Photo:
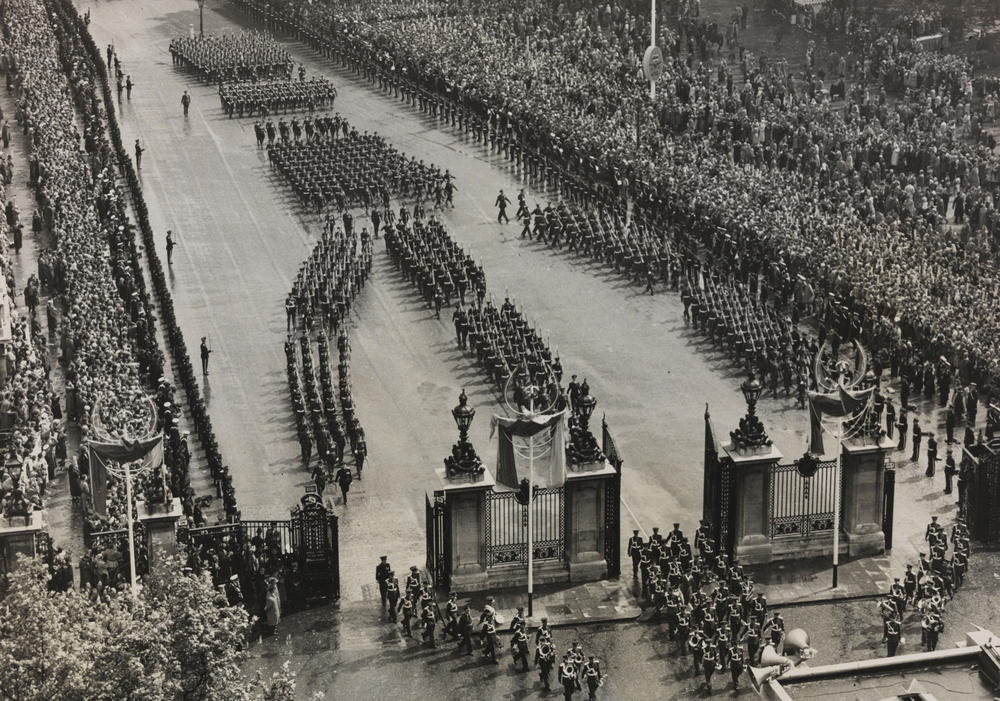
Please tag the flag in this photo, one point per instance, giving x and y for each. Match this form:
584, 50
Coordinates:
548, 435
839, 404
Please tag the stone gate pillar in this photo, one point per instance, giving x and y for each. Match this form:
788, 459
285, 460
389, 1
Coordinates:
465, 498
586, 521
160, 521
750, 493
863, 466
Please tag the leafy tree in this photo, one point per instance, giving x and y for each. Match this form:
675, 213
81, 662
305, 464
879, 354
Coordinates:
178, 641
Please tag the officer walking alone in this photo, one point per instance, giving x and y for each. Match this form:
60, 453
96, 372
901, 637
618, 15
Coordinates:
205, 352
138, 154
185, 102
170, 247
501, 204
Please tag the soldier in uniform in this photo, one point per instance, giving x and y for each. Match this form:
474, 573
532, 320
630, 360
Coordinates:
451, 616
519, 647
736, 662
568, 678
392, 594
429, 619
893, 634
949, 471
545, 658
592, 675
635, 544
382, 571
406, 609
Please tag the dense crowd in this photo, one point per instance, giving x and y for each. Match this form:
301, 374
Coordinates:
888, 204
107, 341
262, 98
229, 57
113, 366
30, 413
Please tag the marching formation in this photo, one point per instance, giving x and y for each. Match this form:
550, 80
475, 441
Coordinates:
262, 98
413, 605
318, 305
928, 588
335, 165
230, 57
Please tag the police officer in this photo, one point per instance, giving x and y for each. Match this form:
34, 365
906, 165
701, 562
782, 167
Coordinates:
635, 544
465, 630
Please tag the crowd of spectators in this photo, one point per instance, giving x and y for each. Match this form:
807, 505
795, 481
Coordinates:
885, 199
112, 362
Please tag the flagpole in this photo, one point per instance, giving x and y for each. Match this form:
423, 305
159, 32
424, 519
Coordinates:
836, 501
131, 535
531, 520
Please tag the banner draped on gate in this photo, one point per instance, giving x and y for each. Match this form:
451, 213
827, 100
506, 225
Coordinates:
550, 464
838, 404
149, 451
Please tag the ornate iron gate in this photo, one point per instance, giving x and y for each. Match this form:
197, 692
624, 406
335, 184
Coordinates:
798, 505
311, 535
612, 504
888, 501
979, 490
507, 527
438, 540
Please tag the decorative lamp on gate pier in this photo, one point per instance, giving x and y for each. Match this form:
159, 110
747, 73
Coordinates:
751, 438
463, 460
583, 450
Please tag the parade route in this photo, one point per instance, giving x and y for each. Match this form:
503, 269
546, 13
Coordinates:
241, 239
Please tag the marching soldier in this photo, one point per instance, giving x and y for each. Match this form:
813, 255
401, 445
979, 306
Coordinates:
892, 631
545, 658
519, 647
568, 678
451, 616
429, 619
635, 544
592, 675
392, 594
406, 609
413, 584
736, 662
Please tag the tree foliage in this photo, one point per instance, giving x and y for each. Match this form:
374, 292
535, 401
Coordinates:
178, 641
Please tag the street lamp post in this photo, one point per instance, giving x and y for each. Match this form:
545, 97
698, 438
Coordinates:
201, 17
652, 42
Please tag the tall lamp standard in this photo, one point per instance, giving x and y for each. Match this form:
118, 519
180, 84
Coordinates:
463, 459
201, 17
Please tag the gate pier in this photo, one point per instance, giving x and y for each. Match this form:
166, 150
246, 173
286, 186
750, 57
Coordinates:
751, 478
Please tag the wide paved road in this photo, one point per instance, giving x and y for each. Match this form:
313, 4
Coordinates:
241, 239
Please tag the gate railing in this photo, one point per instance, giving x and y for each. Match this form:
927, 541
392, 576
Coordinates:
800, 506
507, 527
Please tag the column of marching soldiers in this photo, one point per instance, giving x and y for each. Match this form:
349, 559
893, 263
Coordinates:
317, 307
